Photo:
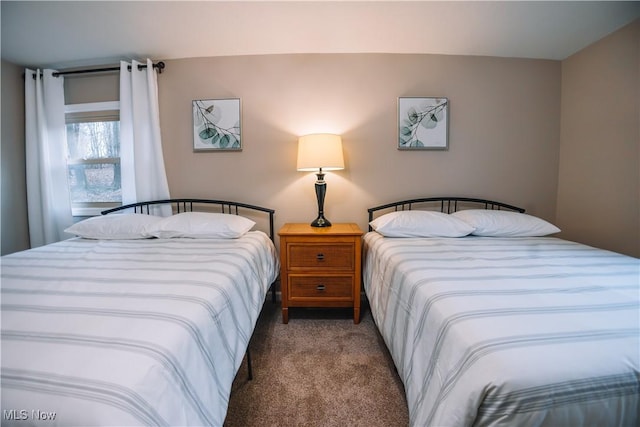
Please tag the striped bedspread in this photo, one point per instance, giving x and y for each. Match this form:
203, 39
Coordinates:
509, 331
129, 332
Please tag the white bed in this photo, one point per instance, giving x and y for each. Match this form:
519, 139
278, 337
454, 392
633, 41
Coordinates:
130, 332
508, 331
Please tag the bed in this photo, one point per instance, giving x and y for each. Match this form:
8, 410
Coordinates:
142, 320
510, 327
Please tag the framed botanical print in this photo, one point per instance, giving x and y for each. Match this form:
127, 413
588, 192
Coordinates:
423, 123
216, 125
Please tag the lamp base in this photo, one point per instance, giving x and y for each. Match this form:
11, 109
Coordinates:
321, 189
321, 221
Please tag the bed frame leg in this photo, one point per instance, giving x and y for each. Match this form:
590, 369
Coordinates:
250, 376
249, 367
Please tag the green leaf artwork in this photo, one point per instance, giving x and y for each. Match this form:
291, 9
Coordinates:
422, 123
216, 125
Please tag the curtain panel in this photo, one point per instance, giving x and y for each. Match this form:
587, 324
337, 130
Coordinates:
48, 200
143, 172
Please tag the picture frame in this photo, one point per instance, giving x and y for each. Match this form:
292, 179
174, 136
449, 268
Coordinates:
217, 125
423, 123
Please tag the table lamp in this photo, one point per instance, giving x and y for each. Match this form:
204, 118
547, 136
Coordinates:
317, 152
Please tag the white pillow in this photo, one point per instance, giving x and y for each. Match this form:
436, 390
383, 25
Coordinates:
203, 225
114, 226
495, 223
420, 224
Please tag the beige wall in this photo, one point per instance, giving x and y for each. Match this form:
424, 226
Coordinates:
83, 88
15, 229
599, 175
504, 130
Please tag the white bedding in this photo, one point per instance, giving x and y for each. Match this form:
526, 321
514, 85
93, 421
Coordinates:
508, 331
129, 332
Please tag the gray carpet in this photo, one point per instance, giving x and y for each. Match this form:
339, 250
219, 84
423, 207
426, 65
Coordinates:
318, 370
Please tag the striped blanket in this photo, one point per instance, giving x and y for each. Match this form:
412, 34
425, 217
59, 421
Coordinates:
509, 331
129, 332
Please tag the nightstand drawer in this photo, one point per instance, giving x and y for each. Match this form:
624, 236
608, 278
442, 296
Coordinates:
321, 255
304, 286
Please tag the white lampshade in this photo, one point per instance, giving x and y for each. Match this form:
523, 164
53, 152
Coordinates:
320, 150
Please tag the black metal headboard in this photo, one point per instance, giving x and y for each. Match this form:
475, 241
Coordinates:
187, 205
443, 204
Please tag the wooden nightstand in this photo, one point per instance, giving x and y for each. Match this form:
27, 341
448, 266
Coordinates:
320, 267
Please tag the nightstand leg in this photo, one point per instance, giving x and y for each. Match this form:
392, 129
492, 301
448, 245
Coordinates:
356, 315
285, 315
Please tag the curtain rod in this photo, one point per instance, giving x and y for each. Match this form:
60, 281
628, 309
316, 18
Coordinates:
160, 66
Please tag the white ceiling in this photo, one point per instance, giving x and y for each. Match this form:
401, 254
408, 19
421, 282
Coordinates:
69, 34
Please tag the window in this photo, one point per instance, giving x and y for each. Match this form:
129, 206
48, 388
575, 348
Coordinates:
93, 157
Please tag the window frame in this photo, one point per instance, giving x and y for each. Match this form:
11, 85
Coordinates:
91, 208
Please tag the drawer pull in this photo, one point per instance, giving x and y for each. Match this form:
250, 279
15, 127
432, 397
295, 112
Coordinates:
320, 257
320, 288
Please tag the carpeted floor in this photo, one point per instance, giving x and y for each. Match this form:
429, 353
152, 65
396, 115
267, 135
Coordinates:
320, 369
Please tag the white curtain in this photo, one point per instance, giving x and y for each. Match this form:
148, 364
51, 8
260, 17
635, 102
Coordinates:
142, 163
48, 201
